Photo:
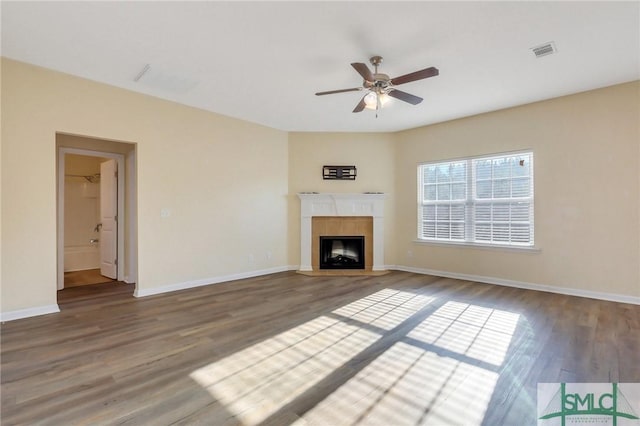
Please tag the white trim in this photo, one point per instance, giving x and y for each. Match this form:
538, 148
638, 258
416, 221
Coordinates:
612, 297
478, 157
504, 247
78, 270
29, 312
208, 281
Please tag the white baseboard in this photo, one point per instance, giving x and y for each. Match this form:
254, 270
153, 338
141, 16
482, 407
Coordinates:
207, 281
50, 309
81, 269
29, 312
621, 298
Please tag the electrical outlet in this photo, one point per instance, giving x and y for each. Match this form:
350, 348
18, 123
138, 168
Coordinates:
250, 258
409, 253
269, 255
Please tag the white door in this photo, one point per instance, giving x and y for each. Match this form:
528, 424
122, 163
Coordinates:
108, 218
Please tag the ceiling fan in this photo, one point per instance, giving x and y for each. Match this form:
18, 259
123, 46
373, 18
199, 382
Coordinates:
379, 86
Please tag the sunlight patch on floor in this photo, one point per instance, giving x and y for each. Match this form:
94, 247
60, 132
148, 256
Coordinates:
478, 332
385, 309
429, 374
254, 383
407, 386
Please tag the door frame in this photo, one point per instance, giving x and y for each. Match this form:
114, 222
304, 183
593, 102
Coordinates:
120, 158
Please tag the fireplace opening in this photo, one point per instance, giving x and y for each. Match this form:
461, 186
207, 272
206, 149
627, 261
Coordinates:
342, 252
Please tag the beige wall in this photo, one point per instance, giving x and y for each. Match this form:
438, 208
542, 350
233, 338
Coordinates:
231, 185
223, 180
1, 174
372, 154
586, 158
75, 164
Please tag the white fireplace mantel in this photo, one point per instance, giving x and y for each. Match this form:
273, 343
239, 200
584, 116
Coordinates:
342, 204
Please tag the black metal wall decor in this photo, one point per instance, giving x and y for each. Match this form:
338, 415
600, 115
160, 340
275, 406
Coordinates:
339, 172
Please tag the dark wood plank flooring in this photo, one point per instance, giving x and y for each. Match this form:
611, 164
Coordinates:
286, 348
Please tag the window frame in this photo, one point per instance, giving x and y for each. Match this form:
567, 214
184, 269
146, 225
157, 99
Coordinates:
472, 201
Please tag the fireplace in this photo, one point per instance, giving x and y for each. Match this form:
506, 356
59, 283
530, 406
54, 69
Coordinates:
342, 252
342, 215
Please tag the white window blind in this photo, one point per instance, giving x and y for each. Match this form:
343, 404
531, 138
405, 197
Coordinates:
486, 200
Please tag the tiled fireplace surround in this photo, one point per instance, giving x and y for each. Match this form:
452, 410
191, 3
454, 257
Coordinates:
326, 214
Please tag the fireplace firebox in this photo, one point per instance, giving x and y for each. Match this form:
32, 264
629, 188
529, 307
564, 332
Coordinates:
342, 252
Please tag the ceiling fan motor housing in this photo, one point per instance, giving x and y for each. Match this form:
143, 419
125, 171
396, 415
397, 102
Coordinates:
380, 82
375, 60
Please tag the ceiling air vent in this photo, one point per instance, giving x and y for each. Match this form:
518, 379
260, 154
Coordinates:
544, 49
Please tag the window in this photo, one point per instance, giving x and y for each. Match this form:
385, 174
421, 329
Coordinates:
480, 200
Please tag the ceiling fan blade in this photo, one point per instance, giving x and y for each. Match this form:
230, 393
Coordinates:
360, 105
404, 96
363, 70
418, 75
331, 92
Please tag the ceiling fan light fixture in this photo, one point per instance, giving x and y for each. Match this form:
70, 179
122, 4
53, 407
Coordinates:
371, 100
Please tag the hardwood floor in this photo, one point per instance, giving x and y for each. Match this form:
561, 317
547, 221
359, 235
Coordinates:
291, 349
85, 277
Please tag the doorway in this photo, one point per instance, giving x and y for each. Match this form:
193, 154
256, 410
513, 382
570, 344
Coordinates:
96, 211
87, 189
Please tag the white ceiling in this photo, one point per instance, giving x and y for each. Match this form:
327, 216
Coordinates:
263, 61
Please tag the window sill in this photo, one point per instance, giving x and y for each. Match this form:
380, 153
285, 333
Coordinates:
529, 249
